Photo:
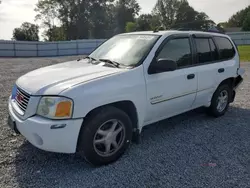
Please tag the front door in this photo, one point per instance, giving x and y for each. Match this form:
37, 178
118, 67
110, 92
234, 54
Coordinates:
171, 93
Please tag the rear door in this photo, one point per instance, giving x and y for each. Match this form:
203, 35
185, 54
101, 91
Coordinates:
207, 64
228, 57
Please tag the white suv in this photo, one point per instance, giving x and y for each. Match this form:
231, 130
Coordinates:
98, 104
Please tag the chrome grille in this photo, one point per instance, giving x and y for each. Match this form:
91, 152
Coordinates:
22, 99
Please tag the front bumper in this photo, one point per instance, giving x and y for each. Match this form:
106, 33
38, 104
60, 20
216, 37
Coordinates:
59, 136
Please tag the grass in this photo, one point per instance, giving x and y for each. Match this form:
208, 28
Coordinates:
244, 53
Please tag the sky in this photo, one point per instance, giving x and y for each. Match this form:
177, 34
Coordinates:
14, 12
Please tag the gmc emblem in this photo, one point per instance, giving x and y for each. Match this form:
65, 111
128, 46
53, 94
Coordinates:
19, 97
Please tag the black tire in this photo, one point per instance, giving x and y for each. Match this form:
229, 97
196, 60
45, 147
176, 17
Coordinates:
213, 110
86, 146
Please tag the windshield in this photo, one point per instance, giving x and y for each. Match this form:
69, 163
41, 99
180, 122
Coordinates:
127, 50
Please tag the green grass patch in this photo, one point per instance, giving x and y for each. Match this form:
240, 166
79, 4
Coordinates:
244, 53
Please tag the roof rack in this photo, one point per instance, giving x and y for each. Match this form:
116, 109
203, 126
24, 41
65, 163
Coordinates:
188, 26
212, 30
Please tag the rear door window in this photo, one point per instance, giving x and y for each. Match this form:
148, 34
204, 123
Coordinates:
203, 50
226, 49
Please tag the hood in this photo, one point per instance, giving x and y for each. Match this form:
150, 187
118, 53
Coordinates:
54, 79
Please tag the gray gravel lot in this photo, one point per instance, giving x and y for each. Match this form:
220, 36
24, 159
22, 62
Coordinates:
190, 150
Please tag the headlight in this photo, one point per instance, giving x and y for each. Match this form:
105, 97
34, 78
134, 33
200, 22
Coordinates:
55, 107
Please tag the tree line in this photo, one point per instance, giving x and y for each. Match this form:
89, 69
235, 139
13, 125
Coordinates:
99, 19
240, 19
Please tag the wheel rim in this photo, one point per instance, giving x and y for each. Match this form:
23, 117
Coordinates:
222, 101
109, 138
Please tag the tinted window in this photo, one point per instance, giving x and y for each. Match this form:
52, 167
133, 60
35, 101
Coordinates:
203, 50
226, 48
214, 52
177, 50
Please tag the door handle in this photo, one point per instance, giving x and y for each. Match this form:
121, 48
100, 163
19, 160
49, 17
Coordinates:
191, 76
221, 70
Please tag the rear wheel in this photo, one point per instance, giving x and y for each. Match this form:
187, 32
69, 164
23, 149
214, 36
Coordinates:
105, 136
220, 101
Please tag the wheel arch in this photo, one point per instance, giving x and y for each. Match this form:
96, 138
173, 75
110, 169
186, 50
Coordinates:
125, 105
231, 82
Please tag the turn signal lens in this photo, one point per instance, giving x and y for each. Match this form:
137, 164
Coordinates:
64, 109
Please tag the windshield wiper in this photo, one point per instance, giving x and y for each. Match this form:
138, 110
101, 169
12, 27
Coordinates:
91, 58
114, 63
88, 57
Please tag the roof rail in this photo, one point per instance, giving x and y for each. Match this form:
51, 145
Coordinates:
212, 30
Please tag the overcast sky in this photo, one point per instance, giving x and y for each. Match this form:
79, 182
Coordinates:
14, 12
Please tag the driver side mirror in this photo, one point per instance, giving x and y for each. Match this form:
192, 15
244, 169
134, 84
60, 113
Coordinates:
162, 65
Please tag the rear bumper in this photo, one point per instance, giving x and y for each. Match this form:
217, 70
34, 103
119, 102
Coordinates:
240, 71
59, 136
239, 79
237, 82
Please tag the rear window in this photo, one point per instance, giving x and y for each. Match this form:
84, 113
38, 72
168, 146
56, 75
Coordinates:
226, 48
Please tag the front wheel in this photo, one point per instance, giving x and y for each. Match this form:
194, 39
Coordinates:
220, 101
105, 136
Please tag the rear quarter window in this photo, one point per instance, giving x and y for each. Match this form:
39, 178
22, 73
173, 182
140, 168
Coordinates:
225, 47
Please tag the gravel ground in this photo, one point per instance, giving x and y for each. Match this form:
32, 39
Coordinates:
190, 150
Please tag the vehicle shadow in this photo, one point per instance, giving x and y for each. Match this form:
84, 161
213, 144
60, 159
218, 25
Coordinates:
166, 148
